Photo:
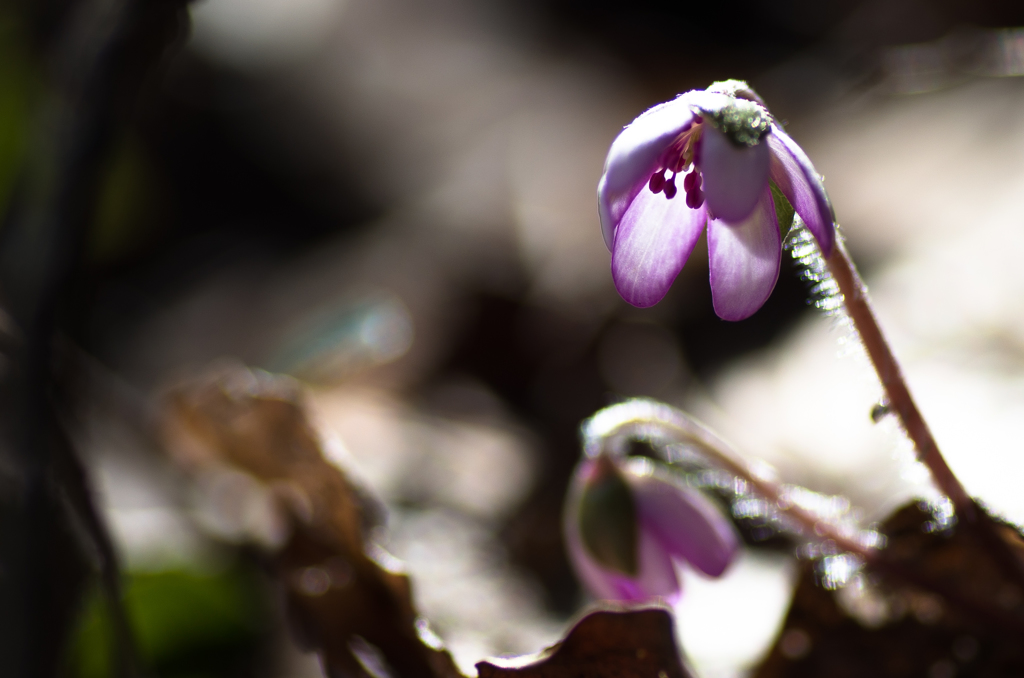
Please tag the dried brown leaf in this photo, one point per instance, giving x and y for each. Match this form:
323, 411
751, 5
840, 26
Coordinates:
342, 600
636, 643
964, 623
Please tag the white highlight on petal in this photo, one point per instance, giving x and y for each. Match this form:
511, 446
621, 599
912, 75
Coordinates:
745, 258
653, 241
734, 176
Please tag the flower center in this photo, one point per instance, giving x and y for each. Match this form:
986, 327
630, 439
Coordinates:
682, 157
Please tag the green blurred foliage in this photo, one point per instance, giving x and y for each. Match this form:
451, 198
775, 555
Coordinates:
129, 206
186, 625
19, 88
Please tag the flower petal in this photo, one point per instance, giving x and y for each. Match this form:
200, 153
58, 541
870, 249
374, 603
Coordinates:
601, 583
634, 156
656, 576
793, 173
734, 176
745, 258
653, 241
686, 523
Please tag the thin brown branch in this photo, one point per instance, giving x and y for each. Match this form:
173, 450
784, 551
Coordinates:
106, 53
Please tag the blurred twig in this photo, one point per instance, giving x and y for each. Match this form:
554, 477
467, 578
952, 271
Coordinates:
100, 65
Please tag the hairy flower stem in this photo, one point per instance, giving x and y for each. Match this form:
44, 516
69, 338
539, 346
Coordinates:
858, 307
662, 426
899, 400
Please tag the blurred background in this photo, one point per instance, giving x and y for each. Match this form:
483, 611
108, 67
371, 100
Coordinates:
393, 201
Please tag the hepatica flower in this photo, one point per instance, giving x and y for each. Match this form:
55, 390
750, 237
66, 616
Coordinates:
628, 524
712, 157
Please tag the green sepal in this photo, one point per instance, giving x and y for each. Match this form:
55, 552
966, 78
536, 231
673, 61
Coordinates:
784, 211
607, 519
742, 121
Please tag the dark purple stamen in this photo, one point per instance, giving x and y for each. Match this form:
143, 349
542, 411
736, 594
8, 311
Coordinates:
694, 198
657, 182
670, 188
692, 180
691, 184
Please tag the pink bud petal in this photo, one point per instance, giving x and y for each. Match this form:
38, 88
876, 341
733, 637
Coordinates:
686, 523
656, 577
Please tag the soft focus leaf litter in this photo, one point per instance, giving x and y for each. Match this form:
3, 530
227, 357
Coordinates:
560, 401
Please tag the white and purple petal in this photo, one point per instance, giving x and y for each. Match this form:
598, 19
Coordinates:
734, 175
634, 156
793, 173
656, 576
654, 239
745, 258
685, 522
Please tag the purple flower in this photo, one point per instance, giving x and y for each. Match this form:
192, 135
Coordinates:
730, 152
628, 524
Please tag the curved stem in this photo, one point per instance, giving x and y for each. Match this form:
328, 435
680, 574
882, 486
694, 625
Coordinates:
858, 307
663, 425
